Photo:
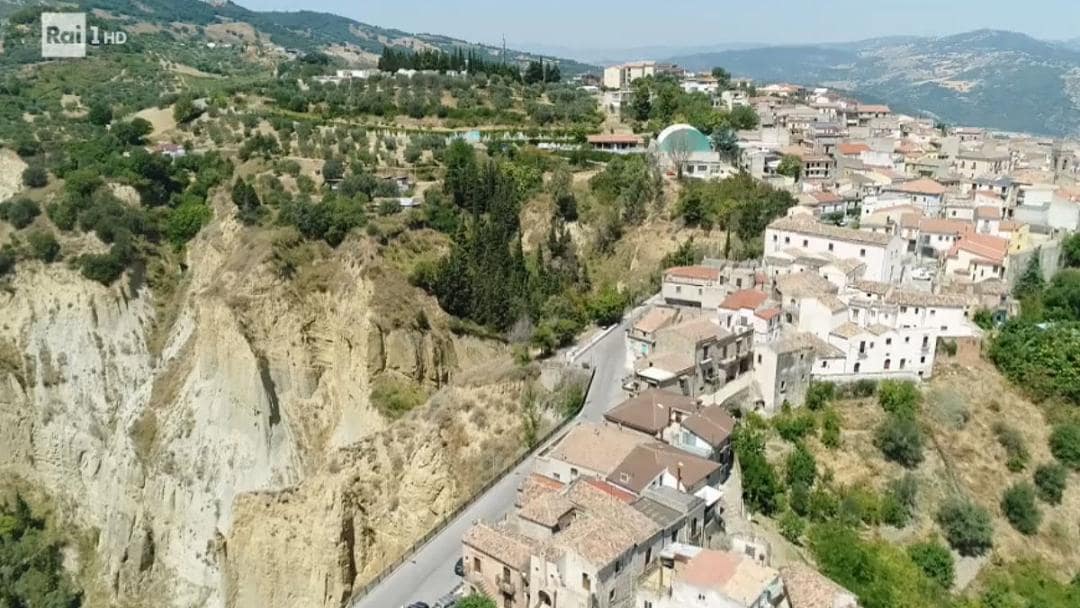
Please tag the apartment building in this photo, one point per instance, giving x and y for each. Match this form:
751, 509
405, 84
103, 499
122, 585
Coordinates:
882, 253
687, 576
619, 77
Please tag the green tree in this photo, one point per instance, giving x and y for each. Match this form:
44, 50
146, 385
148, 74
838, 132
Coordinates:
1018, 505
900, 398
900, 441
800, 467
186, 220
792, 527
476, 600
100, 113
7, 261
723, 78
185, 109
132, 132
43, 245
20, 212
819, 395
966, 526
898, 502
790, 166
1050, 481
726, 143
607, 306
761, 486
1065, 444
743, 118
333, 170
935, 560
247, 202
35, 176
1070, 251
31, 564
1031, 282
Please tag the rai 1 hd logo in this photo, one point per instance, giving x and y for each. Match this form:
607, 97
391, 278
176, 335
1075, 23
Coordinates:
66, 35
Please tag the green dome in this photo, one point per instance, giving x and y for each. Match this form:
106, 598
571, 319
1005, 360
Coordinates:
684, 137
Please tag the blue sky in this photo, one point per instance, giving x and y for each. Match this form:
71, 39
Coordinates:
586, 24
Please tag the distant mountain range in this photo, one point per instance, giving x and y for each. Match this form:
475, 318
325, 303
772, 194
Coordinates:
303, 30
989, 78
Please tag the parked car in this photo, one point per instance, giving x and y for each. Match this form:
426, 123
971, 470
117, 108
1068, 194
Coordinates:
418, 605
459, 567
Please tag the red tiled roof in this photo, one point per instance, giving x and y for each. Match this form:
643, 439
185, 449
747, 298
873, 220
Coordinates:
613, 138
943, 226
851, 149
878, 108
701, 273
990, 248
987, 212
612, 490
744, 298
768, 314
923, 185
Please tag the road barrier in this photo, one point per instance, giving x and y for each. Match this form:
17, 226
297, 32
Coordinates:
450, 517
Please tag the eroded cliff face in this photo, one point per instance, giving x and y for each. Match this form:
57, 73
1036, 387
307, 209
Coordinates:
221, 443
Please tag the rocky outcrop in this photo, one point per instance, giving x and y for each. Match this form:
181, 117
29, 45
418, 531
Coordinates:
218, 440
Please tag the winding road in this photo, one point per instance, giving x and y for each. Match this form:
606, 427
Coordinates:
429, 575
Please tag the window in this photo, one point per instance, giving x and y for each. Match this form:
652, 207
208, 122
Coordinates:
738, 282
903, 309
624, 477
476, 565
618, 566
907, 339
862, 346
824, 364
573, 472
830, 246
678, 289
586, 584
775, 238
862, 253
759, 359
902, 363
805, 243
933, 311
856, 368
783, 386
925, 341
922, 359
699, 291
787, 240
888, 363
888, 341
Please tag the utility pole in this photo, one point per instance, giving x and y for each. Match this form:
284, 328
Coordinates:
504, 49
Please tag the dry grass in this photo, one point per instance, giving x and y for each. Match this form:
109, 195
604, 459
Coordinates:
965, 458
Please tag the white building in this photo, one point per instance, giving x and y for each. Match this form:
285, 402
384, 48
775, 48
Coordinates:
882, 253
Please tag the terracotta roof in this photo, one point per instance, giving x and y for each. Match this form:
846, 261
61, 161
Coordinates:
596, 447
744, 298
768, 313
923, 185
879, 329
911, 297
697, 329
990, 248
712, 424
802, 284
700, 273
847, 330
612, 490
646, 462
650, 411
795, 341
612, 138
675, 363
536, 485
851, 149
655, 318
833, 303
872, 287
987, 212
808, 588
814, 228
501, 543
605, 529
1009, 226
733, 574
876, 108
936, 225
547, 509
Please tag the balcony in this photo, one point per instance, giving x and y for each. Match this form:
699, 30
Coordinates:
506, 585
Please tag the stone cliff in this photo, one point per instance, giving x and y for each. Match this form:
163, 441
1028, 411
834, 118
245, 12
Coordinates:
218, 436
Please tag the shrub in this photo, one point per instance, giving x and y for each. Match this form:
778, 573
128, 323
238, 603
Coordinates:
1065, 444
898, 503
794, 426
860, 504
935, 560
819, 395
43, 245
966, 526
900, 441
395, 397
900, 398
1016, 451
7, 261
35, 176
103, 268
830, 429
1018, 505
1050, 481
792, 526
19, 212
800, 467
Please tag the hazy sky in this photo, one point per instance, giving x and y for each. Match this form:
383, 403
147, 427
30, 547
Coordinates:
587, 24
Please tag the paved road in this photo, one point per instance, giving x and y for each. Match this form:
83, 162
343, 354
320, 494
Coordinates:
430, 573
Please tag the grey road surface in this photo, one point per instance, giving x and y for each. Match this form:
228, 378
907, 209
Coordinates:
430, 572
